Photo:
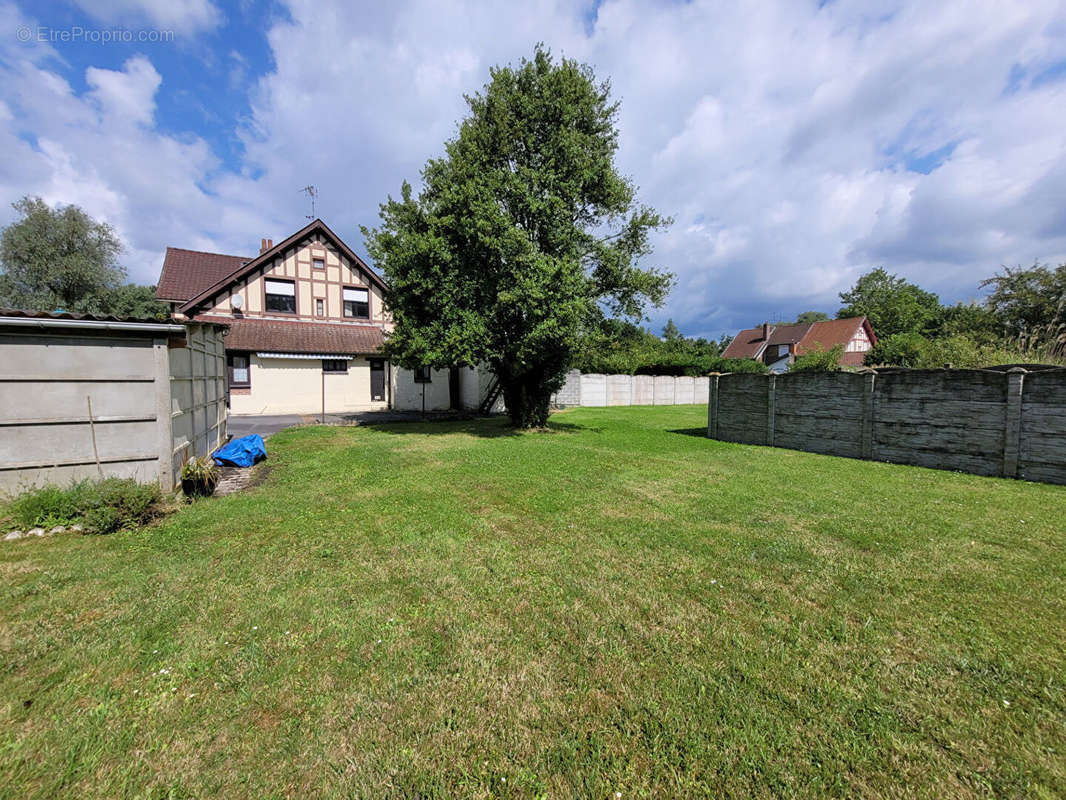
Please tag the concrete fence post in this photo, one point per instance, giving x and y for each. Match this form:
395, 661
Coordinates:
1013, 422
868, 415
771, 390
163, 421
712, 408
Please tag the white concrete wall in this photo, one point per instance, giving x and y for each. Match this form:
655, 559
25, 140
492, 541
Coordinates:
643, 390
631, 390
619, 390
408, 395
664, 390
593, 390
295, 386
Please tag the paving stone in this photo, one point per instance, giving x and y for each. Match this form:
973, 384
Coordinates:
13, 535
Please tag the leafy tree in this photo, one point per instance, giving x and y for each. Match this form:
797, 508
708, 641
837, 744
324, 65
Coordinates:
898, 350
56, 258
892, 304
130, 300
808, 317
819, 360
1031, 305
670, 332
978, 322
61, 258
523, 231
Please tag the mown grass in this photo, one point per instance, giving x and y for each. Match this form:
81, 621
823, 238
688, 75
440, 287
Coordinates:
616, 606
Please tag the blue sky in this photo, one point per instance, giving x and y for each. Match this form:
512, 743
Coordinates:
795, 144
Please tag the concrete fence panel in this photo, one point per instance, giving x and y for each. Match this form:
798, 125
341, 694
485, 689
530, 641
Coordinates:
820, 412
684, 390
1042, 428
664, 390
593, 390
619, 390
988, 422
643, 390
699, 389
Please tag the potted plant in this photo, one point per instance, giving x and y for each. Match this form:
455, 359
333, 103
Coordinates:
199, 476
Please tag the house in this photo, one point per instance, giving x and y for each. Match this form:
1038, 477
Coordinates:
307, 322
777, 346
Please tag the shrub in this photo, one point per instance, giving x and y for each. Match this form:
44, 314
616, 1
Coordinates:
102, 519
103, 505
819, 360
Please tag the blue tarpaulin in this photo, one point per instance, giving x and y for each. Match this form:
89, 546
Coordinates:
243, 452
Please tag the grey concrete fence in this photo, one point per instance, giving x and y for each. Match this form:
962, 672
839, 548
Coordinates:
82, 398
630, 390
989, 422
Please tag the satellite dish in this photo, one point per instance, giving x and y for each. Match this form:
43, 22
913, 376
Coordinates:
236, 301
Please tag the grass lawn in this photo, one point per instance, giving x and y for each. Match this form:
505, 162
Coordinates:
617, 606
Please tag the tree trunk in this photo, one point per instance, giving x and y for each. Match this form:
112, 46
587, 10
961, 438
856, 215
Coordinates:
528, 402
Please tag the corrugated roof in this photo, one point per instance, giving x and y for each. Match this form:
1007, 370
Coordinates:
280, 336
186, 273
70, 315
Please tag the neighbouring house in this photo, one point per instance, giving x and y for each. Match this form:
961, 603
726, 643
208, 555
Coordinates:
777, 346
307, 323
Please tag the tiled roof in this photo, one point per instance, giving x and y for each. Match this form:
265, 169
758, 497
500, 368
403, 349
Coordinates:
829, 334
186, 273
745, 344
788, 334
279, 336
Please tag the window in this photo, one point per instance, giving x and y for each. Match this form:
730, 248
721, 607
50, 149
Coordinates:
782, 350
280, 296
320, 307
339, 365
318, 263
424, 375
356, 303
239, 374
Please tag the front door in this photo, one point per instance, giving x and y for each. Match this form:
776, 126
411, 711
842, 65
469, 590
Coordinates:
377, 379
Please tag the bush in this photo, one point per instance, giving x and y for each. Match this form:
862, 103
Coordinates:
101, 506
819, 360
103, 519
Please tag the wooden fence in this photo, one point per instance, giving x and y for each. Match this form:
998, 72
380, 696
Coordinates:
1009, 422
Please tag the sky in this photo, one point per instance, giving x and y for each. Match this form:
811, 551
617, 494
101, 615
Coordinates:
795, 144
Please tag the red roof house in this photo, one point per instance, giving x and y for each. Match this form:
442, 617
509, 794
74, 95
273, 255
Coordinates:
778, 345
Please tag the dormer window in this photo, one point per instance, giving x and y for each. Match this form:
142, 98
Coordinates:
280, 296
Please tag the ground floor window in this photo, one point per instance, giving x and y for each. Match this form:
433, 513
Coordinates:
423, 375
240, 376
335, 365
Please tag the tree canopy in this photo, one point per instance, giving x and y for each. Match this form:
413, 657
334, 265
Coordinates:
892, 304
62, 259
523, 235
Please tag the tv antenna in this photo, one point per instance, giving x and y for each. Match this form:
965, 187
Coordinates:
311, 192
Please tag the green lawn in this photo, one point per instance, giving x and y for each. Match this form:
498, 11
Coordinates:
616, 606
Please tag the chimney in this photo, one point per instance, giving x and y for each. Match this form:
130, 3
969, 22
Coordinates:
264, 245
765, 331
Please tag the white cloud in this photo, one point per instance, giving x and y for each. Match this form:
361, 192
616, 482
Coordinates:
180, 16
785, 139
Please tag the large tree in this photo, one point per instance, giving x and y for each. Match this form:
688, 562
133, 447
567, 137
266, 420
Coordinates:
892, 304
523, 234
57, 257
1031, 305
